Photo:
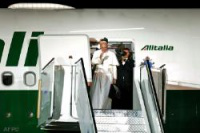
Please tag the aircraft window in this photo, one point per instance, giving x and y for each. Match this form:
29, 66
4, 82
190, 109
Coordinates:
29, 78
7, 78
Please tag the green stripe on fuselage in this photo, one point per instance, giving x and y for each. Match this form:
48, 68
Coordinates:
15, 49
36, 34
22, 107
32, 54
2, 43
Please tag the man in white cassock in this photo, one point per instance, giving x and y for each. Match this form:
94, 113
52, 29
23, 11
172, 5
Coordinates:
105, 74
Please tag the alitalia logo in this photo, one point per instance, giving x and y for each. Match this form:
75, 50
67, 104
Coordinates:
157, 48
16, 47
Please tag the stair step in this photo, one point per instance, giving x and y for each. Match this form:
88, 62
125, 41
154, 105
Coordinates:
117, 113
120, 128
120, 120
61, 126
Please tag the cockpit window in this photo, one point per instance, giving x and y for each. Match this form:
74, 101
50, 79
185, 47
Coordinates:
30, 78
7, 78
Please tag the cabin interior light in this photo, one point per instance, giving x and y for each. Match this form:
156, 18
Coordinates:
39, 6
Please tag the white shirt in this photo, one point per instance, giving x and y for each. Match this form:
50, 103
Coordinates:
124, 61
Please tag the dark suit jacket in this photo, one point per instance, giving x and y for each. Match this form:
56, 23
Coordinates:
125, 74
125, 84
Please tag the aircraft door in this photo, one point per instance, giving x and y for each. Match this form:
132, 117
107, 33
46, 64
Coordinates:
66, 49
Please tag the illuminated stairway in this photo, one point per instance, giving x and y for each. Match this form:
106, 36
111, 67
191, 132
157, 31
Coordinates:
120, 121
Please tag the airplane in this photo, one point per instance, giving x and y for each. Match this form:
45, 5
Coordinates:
167, 36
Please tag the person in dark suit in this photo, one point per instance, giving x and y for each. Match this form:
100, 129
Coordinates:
125, 81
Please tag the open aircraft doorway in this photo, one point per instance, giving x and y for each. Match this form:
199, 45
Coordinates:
121, 117
121, 67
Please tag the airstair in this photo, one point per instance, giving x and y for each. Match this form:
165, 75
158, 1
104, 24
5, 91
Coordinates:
145, 119
120, 121
78, 114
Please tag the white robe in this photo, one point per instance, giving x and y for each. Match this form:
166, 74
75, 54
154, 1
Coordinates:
103, 76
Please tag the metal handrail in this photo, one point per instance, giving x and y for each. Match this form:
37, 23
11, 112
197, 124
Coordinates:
156, 102
48, 63
71, 99
90, 102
